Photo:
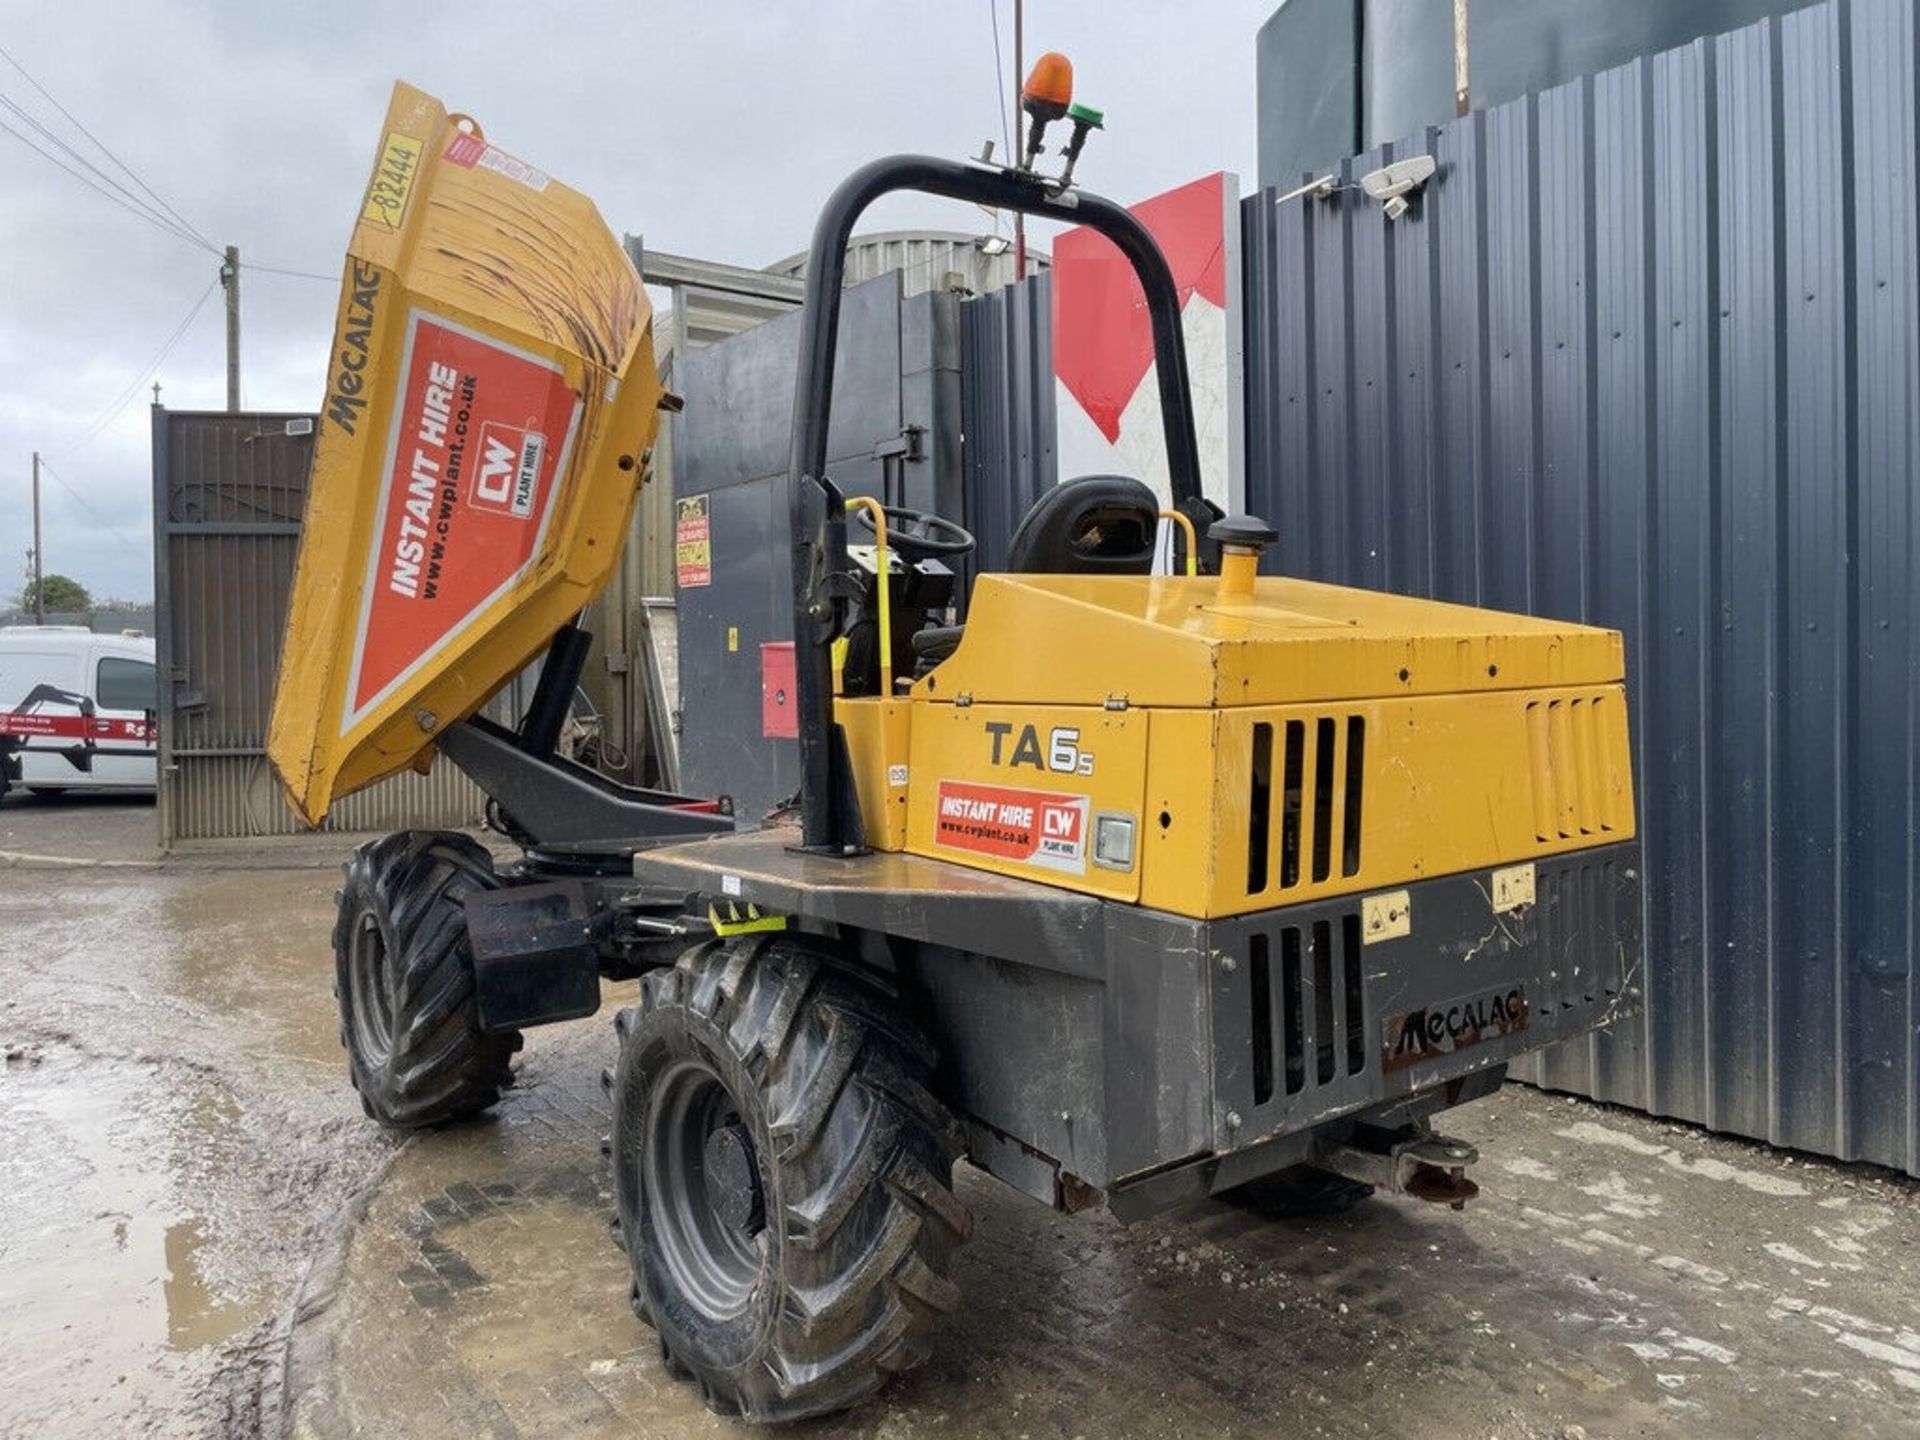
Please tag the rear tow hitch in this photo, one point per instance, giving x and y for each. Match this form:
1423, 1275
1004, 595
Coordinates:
1406, 1162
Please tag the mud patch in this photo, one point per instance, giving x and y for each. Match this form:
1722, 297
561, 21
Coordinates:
166, 1159
482, 1296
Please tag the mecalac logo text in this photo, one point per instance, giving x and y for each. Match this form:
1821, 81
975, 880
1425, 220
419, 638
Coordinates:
1433, 1031
347, 397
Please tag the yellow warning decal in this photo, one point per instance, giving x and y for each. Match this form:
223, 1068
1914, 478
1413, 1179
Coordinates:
393, 177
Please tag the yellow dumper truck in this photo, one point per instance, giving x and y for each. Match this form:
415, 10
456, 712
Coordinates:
1131, 889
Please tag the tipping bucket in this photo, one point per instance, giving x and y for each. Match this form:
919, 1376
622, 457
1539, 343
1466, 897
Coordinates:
491, 394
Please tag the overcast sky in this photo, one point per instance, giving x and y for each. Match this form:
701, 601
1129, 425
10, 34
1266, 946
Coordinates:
713, 128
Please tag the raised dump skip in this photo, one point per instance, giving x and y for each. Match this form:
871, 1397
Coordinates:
490, 396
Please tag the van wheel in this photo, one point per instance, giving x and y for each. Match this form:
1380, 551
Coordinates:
403, 972
783, 1177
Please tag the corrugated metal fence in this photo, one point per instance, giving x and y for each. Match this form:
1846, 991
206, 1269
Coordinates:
1007, 411
1647, 353
228, 493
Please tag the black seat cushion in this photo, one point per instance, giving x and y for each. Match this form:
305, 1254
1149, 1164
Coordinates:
1095, 525
934, 644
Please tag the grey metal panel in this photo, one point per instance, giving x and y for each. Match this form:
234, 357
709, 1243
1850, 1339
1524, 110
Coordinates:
1307, 60
720, 629
1329, 290
1650, 347
1681, 479
1744, 543
1370, 436
1809, 937
899, 364
739, 394
930, 396
909, 896
229, 490
1278, 370
1007, 411
1617, 281
1460, 284
1303, 1016
1339, 75
218, 797
1881, 888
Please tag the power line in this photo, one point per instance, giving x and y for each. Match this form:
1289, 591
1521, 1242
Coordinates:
99, 176
153, 209
125, 397
178, 218
1000, 79
98, 518
99, 189
164, 217
254, 269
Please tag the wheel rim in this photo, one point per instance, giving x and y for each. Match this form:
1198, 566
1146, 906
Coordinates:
703, 1179
371, 980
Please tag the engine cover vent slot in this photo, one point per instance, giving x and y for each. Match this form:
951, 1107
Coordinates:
1567, 746
1312, 807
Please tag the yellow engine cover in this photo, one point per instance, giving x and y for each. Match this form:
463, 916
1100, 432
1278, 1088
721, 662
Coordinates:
1142, 739
490, 396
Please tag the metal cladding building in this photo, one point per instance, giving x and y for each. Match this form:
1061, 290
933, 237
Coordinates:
1644, 352
1341, 76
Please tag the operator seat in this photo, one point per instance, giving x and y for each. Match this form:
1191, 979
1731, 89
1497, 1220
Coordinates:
1095, 525
1092, 525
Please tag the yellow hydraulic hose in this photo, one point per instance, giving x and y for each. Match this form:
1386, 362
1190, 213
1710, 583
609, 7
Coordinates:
1181, 519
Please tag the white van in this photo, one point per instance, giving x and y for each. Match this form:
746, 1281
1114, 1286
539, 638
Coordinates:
76, 710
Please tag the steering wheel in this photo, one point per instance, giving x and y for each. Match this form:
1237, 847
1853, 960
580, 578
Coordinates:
916, 534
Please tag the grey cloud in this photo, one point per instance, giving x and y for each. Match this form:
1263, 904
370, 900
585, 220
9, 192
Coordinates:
714, 128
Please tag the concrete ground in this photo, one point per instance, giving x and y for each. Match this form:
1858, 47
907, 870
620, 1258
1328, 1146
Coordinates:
113, 828
119, 830
200, 1234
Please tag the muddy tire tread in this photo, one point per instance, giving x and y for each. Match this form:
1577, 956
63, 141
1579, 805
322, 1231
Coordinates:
443, 1066
862, 1156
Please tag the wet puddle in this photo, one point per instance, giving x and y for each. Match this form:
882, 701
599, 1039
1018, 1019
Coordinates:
196, 1314
101, 1161
174, 1128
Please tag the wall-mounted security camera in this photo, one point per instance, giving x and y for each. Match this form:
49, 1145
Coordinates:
1394, 184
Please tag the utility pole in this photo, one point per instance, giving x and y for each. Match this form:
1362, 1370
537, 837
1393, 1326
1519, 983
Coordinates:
39, 585
1019, 132
230, 277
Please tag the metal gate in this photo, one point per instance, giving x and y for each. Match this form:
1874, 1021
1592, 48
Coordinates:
228, 490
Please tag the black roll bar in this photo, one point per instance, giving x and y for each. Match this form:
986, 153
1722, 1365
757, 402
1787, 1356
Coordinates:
830, 811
